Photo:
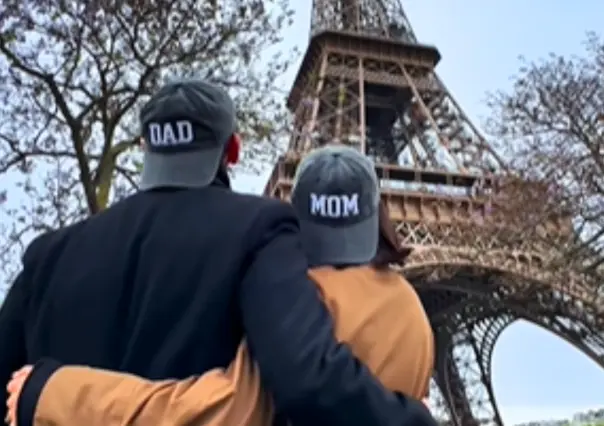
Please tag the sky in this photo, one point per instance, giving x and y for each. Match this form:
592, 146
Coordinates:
536, 375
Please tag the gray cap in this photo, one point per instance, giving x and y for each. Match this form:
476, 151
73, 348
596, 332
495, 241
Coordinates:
186, 126
336, 195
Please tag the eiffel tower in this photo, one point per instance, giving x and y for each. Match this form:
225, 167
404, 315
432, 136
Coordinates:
367, 81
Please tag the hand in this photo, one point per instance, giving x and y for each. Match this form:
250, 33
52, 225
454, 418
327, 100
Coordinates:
14, 390
426, 403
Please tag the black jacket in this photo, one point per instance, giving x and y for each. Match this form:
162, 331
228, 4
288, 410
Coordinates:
165, 284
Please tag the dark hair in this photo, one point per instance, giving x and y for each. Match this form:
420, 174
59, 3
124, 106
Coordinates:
389, 249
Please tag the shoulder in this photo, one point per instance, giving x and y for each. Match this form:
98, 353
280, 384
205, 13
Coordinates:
260, 201
265, 212
269, 226
272, 211
272, 218
48, 243
358, 281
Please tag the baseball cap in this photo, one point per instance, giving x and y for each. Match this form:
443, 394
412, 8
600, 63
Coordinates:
336, 195
186, 126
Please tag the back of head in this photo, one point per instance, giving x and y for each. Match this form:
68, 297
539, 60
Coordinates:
186, 127
336, 195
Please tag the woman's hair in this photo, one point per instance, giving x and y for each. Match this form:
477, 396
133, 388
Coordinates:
389, 249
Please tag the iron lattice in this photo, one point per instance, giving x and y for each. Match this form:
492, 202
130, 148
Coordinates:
367, 82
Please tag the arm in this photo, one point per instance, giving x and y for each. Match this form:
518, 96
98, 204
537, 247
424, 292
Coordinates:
64, 396
55, 397
314, 380
14, 313
12, 336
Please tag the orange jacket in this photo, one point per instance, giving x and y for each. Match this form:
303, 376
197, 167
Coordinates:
377, 313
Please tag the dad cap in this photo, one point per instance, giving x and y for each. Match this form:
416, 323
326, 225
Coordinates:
336, 195
186, 126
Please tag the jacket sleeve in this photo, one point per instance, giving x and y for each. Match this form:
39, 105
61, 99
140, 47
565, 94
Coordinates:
12, 335
13, 316
314, 380
57, 395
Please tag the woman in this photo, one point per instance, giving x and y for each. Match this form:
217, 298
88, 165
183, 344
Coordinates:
350, 244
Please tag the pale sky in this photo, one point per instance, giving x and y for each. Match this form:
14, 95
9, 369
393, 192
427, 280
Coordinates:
536, 375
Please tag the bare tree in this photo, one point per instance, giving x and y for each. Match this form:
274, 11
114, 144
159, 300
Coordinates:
73, 74
551, 125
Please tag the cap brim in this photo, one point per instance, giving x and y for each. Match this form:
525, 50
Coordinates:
194, 169
353, 244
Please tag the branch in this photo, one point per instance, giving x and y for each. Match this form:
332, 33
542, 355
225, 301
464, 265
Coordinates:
74, 126
107, 167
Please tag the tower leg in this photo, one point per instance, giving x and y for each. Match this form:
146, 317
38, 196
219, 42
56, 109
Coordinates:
463, 371
450, 383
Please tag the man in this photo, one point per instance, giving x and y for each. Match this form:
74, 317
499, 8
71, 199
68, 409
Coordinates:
166, 283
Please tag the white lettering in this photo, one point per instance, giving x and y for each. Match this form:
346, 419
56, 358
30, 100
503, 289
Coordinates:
351, 205
167, 134
185, 130
334, 206
317, 204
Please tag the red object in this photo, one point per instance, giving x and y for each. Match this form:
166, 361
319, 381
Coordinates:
233, 149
